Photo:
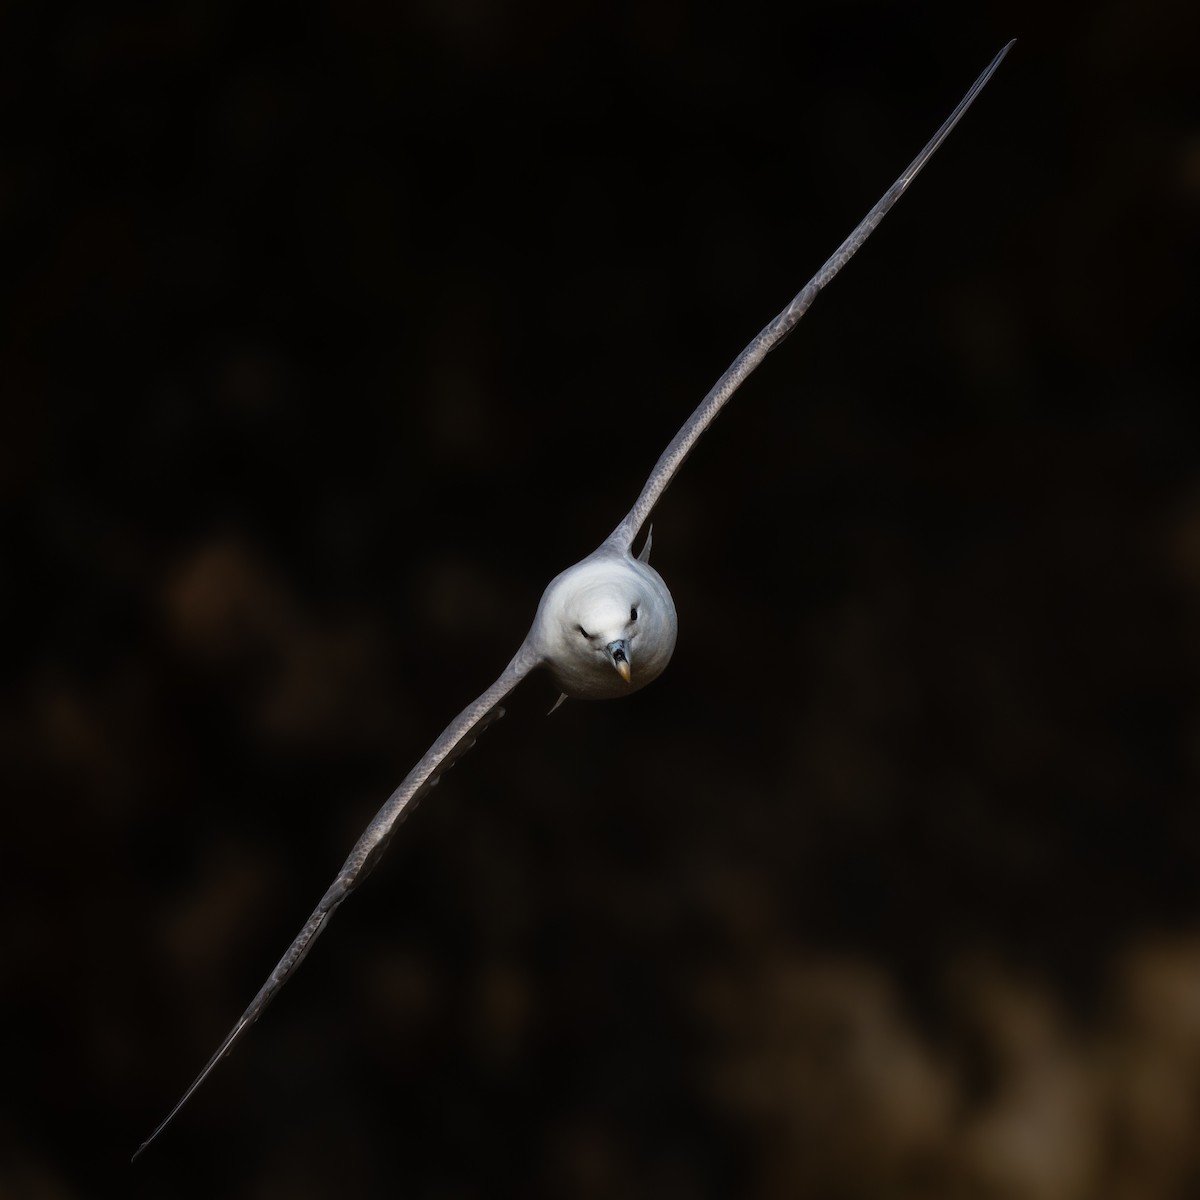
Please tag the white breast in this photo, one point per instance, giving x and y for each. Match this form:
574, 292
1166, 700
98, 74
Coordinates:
591, 605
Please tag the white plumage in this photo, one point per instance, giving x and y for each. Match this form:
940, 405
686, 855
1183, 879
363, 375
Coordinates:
606, 626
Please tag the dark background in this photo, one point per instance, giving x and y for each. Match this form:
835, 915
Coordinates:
329, 336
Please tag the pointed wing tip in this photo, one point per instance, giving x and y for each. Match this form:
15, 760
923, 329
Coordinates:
153, 1137
990, 69
157, 1130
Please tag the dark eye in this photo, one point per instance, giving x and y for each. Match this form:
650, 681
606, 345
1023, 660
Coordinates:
584, 632
633, 613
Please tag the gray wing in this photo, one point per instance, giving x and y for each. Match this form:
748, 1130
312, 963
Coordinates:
774, 333
456, 739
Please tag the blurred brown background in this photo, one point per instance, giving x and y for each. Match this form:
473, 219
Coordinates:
328, 337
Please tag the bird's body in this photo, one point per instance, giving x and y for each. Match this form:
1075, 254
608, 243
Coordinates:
604, 628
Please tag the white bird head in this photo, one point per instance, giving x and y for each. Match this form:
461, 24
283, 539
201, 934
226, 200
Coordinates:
606, 627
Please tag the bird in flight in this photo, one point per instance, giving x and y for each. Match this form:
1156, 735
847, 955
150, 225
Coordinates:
603, 628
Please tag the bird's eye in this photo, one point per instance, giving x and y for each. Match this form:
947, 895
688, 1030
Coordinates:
584, 632
633, 613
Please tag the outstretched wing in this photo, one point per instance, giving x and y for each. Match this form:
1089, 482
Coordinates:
774, 333
456, 739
